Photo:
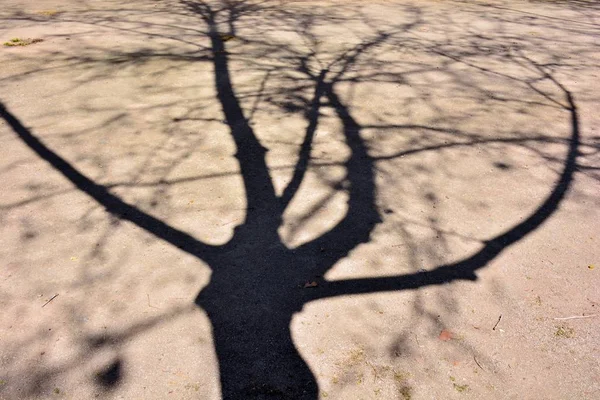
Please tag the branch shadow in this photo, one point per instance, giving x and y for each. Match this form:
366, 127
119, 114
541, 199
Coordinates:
256, 285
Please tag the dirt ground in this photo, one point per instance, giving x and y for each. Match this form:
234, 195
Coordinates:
300, 199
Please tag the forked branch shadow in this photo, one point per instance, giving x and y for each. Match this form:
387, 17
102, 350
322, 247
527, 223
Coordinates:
253, 293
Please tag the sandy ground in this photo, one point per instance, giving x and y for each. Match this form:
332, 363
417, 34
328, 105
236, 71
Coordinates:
441, 192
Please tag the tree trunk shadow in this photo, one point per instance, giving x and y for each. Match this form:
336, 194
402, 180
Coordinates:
256, 283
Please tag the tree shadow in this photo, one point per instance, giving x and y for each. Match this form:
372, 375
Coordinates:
257, 281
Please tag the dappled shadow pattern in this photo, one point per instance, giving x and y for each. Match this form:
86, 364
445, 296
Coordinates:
256, 283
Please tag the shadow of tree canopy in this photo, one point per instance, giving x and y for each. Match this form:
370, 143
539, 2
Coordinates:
256, 282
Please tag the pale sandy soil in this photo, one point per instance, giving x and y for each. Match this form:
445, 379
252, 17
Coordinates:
170, 181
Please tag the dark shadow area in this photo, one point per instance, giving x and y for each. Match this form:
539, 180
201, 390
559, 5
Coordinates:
256, 282
110, 376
